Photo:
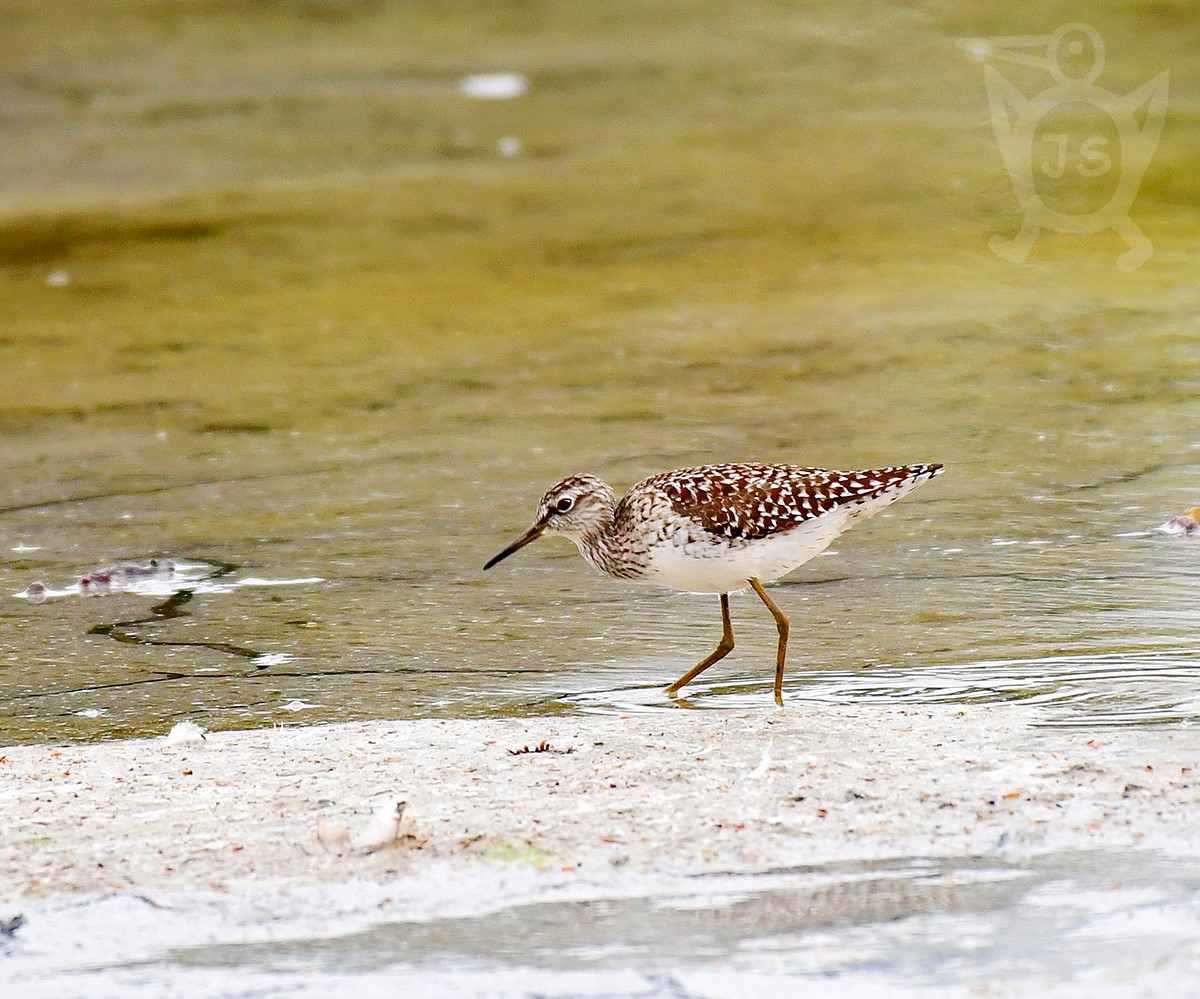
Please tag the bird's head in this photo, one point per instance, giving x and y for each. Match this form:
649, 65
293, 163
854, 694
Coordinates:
577, 507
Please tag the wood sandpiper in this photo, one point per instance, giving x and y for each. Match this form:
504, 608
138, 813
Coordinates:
716, 529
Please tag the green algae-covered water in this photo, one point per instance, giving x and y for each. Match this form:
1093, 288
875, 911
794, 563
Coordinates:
284, 300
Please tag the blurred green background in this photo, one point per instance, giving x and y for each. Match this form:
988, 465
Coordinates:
276, 292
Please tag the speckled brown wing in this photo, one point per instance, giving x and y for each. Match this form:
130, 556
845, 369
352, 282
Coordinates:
751, 501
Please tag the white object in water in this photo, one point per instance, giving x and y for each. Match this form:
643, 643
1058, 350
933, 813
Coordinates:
493, 86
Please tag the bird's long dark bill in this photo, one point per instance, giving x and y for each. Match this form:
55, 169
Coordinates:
532, 534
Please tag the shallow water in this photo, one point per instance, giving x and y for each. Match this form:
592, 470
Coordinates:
301, 312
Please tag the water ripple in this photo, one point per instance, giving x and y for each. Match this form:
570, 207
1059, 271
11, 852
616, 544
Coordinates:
1146, 687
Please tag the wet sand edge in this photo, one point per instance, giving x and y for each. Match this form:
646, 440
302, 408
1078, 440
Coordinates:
675, 791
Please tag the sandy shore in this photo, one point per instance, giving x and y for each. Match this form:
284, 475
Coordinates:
930, 852
675, 791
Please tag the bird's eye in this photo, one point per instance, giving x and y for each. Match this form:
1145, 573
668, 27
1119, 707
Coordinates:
564, 504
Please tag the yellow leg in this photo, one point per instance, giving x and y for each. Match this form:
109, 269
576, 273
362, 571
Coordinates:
781, 622
724, 646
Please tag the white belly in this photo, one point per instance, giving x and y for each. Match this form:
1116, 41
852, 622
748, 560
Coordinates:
707, 567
